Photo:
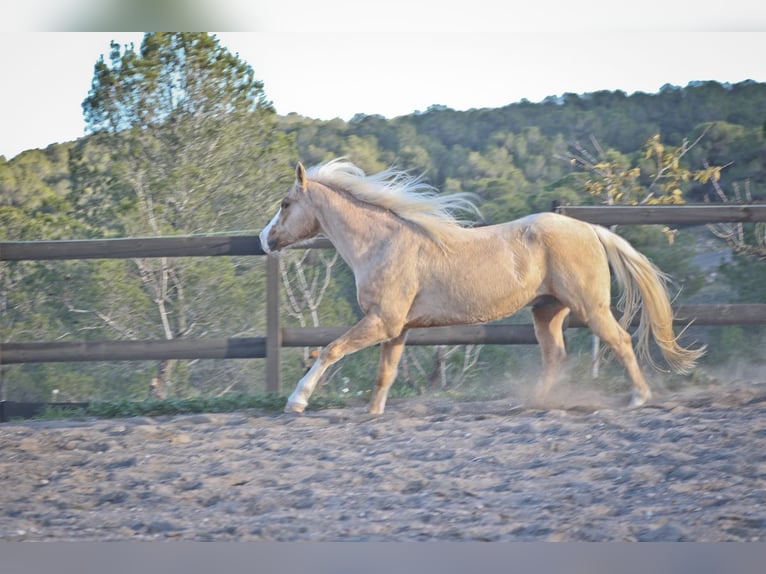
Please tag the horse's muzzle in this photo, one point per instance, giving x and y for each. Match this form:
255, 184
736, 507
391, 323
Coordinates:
268, 243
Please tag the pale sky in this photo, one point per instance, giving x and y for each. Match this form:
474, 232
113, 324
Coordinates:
332, 63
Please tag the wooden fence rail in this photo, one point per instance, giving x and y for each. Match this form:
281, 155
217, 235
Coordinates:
255, 347
129, 248
685, 214
276, 337
201, 246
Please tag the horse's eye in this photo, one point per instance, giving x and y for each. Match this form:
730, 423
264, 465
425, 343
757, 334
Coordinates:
285, 204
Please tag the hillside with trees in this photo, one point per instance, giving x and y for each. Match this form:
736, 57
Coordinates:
182, 139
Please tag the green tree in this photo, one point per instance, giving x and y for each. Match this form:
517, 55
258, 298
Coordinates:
34, 205
183, 140
655, 175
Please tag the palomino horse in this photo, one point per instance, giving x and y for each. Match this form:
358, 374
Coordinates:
416, 266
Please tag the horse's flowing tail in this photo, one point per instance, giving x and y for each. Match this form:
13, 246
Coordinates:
644, 287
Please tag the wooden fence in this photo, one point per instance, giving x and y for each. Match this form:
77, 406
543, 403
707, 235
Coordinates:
268, 347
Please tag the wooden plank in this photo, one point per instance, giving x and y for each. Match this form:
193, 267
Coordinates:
241, 348
256, 347
221, 245
494, 334
725, 314
129, 248
273, 326
711, 315
687, 214
10, 410
454, 335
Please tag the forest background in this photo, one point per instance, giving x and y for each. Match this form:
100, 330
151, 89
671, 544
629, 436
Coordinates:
182, 139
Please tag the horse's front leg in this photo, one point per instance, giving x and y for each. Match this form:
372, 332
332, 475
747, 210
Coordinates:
390, 355
372, 329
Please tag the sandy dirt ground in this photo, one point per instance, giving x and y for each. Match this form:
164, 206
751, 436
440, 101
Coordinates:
691, 466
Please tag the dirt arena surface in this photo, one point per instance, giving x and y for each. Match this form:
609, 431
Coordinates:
691, 466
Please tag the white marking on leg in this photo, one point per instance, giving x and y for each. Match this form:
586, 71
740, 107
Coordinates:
639, 399
302, 392
264, 234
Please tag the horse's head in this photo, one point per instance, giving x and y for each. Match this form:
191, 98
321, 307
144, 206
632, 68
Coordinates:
295, 221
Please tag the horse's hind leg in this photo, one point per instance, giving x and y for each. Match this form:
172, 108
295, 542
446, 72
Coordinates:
390, 355
603, 324
549, 320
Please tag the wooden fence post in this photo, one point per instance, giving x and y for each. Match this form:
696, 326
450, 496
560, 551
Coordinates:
273, 326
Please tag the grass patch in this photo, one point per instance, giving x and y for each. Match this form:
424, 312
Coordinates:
53, 412
227, 403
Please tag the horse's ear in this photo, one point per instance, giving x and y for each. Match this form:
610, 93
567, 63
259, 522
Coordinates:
300, 175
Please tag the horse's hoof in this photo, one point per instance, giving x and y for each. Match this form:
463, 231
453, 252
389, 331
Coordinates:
638, 399
296, 408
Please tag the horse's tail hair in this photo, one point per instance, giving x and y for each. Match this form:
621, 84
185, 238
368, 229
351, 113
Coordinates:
644, 288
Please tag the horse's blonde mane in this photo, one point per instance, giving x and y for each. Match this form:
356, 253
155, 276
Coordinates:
405, 195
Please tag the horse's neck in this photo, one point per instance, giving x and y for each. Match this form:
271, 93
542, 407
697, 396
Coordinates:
352, 227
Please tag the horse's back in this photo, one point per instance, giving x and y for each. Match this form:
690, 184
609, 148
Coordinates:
549, 223
558, 237
561, 237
